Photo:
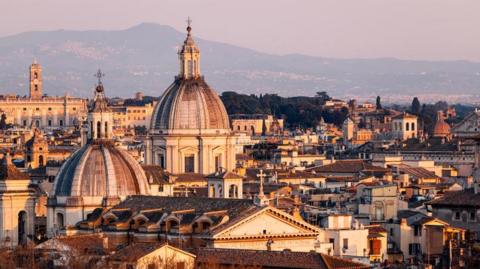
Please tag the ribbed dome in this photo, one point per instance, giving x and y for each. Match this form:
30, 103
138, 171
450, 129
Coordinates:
441, 129
190, 104
101, 170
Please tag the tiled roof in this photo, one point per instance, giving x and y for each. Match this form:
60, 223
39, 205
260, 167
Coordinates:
137, 203
8, 171
156, 174
347, 166
189, 177
273, 259
458, 199
133, 252
418, 172
224, 175
81, 244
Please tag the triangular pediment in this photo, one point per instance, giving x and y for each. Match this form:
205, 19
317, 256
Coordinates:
267, 222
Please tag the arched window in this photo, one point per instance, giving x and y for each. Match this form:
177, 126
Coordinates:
413, 126
99, 129
37, 123
40, 160
172, 226
106, 129
407, 126
61, 122
35, 75
211, 191
22, 221
91, 129
60, 221
252, 129
233, 191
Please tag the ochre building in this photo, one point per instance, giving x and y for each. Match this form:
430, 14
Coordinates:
39, 110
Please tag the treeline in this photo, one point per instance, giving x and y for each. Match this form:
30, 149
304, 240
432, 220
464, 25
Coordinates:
303, 112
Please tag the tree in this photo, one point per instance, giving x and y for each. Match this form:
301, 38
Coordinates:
379, 104
415, 108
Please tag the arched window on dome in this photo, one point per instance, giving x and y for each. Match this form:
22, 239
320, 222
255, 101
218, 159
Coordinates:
106, 130
99, 129
190, 68
195, 71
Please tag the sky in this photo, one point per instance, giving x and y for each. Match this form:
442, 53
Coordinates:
404, 29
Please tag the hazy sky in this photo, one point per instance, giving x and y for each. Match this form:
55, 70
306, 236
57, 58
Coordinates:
407, 29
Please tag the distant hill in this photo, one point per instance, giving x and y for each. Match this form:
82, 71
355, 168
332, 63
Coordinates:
144, 58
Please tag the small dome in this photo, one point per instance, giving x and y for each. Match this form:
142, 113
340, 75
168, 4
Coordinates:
441, 129
101, 170
190, 104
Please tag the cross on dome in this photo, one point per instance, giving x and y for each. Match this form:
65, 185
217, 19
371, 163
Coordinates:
99, 75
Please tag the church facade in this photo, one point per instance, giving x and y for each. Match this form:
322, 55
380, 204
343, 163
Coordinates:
39, 110
190, 129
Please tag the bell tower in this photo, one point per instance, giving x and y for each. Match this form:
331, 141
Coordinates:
36, 85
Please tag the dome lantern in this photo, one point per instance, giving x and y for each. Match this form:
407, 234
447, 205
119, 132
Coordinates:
189, 56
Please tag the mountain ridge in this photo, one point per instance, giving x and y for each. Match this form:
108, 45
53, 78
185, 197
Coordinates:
143, 57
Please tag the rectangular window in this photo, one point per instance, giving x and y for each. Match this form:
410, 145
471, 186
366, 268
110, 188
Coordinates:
24, 123
49, 123
332, 241
161, 159
345, 243
457, 215
414, 249
472, 215
417, 230
190, 164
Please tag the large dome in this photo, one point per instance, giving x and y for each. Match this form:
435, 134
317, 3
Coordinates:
190, 104
100, 170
